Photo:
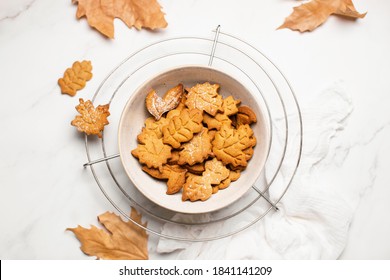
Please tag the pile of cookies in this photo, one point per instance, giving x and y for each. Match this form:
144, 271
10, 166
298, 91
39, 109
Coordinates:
196, 140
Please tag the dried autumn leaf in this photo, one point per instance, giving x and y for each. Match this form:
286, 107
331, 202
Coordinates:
181, 128
119, 241
138, 13
197, 149
75, 77
230, 145
92, 120
157, 106
309, 16
205, 97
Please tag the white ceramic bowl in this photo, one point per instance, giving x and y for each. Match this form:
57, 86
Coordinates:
132, 121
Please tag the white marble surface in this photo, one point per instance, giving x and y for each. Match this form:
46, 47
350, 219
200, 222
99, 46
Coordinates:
44, 188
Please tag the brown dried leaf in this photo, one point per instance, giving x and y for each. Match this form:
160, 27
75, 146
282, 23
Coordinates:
157, 106
92, 120
76, 77
309, 16
118, 240
138, 13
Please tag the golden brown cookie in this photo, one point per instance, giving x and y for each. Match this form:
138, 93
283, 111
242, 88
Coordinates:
181, 128
196, 150
91, 120
212, 134
152, 128
229, 106
233, 176
75, 78
196, 168
205, 97
196, 188
174, 173
217, 121
157, 106
174, 157
215, 171
152, 151
245, 115
229, 144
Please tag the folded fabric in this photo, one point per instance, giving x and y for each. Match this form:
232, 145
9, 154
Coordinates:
313, 217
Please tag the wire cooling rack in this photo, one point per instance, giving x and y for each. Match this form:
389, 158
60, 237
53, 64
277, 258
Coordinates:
254, 70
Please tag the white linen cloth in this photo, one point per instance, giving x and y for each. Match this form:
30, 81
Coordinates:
313, 217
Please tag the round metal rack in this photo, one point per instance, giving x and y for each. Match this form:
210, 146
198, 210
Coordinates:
254, 70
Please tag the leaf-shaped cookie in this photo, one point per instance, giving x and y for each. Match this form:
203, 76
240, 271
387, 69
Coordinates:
196, 188
229, 106
217, 121
152, 126
233, 176
197, 149
92, 120
215, 171
181, 128
152, 151
200, 187
76, 77
157, 106
205, 97
229, 144
174, 173
120, 241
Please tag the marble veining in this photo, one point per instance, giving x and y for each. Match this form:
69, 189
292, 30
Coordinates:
44, 188
21, 9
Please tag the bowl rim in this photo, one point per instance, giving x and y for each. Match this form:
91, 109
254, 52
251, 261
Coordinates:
134, 95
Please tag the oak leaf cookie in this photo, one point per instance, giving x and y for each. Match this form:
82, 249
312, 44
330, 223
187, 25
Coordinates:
181, 128
76, 77
205, 97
